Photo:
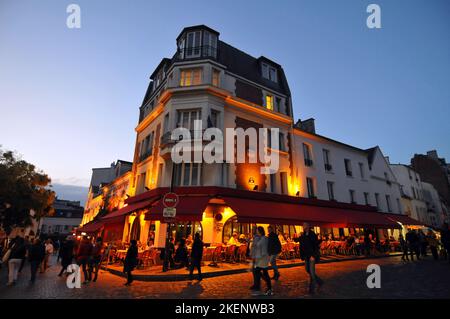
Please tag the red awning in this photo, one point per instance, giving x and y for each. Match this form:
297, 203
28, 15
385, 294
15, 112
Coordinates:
189, 208
260, 211
128, 209
91, 227
404, 220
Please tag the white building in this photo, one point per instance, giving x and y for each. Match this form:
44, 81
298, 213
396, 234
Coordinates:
66, 218
435, 208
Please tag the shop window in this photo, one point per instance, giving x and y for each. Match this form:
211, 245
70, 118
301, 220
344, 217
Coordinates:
231, 226
183, 230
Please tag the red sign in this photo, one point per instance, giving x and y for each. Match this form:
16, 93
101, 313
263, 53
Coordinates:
170, 200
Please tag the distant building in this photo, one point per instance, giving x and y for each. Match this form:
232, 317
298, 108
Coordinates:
412, 192
435, 206
434, 170
66, 218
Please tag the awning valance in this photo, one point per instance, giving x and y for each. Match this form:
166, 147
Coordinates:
189, 208
260, 211
404, 220
128, 209
91, 227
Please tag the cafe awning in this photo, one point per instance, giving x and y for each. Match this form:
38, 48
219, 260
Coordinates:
404, 220
260, 211
189, 208
128, 209
91, 227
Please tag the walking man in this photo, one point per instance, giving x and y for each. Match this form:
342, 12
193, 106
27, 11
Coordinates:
404, 247
196, 256
274, 249
96, 258
309, 252
36, 254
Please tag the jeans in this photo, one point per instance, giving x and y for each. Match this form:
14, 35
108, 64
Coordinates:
34, 266
273, 263
94, 266
257, 277
14, 265
310, 267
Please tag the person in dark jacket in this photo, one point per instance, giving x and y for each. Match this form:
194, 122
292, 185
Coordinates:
27, 244
167, 255
274, 249
181, 254
18, 252
423, 243
196, 256
66, 254
404, 247
36, 254
413, 243
310, 253
130, 261
97, 255
84, 256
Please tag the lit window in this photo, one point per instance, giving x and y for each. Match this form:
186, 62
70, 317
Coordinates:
269, 102
190, 77
215, 77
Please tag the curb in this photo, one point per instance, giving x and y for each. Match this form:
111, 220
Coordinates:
185, 277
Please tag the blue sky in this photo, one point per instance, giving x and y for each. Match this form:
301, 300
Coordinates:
69, 98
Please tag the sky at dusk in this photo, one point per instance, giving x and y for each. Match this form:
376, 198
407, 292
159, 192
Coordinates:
69, 98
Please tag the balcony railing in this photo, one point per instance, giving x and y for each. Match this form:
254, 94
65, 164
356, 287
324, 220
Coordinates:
197, 52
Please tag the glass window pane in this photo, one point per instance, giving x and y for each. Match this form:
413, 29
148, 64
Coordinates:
187, 174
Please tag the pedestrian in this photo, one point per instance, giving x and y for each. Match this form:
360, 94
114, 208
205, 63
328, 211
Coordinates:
413, 244
274, 249
423, 243
181, 255
196, 256
445, 239
404, 247
434, 244
27, 244
130, 261
18, 252
83, 257
260, 255
48, 252
96, 258
66, 252
310, 253
167, 255
36, 255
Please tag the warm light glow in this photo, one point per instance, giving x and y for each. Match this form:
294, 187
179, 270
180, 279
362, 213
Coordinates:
269, 102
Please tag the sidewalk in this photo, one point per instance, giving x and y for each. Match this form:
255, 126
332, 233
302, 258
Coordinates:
155, 273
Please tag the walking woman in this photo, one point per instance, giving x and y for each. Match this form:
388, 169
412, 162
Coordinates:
261, 259
18, 252
404, 247
310, 253
130, 261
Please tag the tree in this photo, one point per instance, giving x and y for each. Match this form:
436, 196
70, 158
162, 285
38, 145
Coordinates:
23, 192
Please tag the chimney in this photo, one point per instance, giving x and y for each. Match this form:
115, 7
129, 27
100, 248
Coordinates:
306, 125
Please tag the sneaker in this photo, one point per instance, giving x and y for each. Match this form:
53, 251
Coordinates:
256, 293
269, 292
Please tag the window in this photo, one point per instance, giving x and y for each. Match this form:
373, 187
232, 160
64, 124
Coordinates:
166, 123
215, 77
361, 170
307, 154
377, 200
186, 118
209, 44
187, 174
366, 198
193, 44
283, 182
146, 147
388, 203
330, 187
352, 196
277, 104
399, 206
326, 159
310, 187
232, 226
348, 167
214, 118
413, 192
269, 102
190, 77
273, 182
269, 72
282, 142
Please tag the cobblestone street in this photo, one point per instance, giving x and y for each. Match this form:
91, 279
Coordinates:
423, 279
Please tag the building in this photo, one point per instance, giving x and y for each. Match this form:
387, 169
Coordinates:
435, 205
338, 188
412, 193
434, 170
65, 219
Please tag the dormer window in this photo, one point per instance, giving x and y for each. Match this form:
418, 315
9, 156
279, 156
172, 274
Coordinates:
209, 44
269, 72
